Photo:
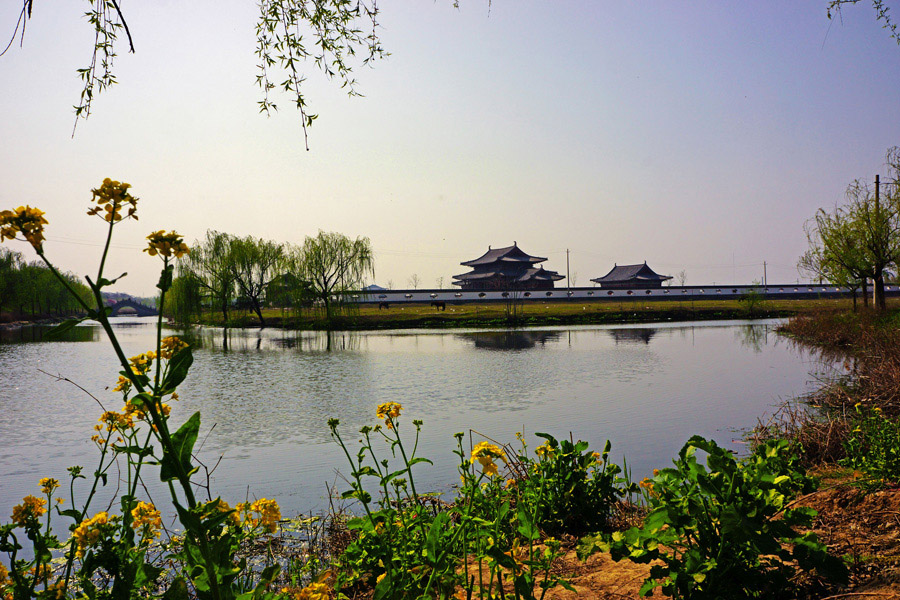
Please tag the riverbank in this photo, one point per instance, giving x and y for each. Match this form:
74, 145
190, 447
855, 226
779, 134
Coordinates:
492, 315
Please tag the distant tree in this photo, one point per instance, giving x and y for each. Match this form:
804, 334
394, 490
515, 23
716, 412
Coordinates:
390, 284
860, 240
414, 281
334, 264
208, 263
835, 253
184, 300
440, 282
681, 277
254, 263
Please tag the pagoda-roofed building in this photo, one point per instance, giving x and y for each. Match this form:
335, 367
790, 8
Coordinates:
506, 269
632, 277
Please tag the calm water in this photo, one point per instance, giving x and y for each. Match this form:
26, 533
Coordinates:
265, 401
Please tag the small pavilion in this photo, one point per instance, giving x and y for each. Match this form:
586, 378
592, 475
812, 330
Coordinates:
631, 277
506, 268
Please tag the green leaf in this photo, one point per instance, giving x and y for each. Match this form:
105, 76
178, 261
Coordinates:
420, 460
432, 540
177, 591
63, 328
183, 442
178, 368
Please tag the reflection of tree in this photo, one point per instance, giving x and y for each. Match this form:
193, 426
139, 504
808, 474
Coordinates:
276, 340
754, 337
633, 335
509, 340
35, 333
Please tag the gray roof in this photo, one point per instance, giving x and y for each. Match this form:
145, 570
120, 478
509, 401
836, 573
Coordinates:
631, 273
509, 254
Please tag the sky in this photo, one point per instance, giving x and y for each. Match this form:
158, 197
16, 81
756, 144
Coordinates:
698, 136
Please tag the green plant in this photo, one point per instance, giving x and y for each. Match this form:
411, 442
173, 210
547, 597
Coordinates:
572, 489
485, 544
106, 554
873, 446
724, 530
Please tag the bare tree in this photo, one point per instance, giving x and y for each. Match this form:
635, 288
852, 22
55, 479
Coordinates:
414, 281
681, 276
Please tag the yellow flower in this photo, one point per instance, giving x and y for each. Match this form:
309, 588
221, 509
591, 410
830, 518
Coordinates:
25, 220
544, 450
146, 515
48, 484
60, 500
166, 244
485, 453
314, 591
123, 384
115, 421
4, 576
269, 514
171, 346
141, 363
30, 509
379, 578
112, 197
388, 411
88, 532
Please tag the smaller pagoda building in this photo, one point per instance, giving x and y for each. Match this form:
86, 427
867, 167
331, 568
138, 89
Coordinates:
631, 277
506, 269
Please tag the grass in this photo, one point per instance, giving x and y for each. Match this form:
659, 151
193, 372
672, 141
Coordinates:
422, 315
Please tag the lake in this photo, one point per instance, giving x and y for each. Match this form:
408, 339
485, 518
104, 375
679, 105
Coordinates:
265, 400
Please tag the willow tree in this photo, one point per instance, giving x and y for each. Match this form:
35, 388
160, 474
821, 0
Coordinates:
334, 265
207, 265
860, 240
336, 36
254, 263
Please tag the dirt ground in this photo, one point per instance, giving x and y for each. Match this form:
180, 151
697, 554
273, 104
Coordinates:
865, 527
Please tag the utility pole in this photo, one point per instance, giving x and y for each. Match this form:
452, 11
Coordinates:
765, 281
568, 279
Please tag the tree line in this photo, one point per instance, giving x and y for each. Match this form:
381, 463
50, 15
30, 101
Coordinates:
30, 289
224, 272
859, 241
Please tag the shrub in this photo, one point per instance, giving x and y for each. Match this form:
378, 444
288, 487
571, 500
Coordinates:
873, 446
724, 530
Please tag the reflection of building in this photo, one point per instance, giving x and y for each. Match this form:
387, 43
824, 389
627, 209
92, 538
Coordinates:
510, 340
631, 276
506, 268
637, 335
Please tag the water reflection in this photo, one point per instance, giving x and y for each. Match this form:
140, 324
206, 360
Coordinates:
35, 333
634, 335
265, 401
510, 340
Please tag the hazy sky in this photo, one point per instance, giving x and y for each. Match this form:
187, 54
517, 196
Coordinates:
695, 135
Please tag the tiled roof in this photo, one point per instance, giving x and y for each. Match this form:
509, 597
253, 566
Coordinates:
508, 254
630, 273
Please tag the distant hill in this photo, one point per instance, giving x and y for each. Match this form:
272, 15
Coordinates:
113, 297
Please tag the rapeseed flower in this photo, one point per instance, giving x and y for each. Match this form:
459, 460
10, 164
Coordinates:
29, 511
166, 244
544, 450
25, 220
141, 363
170, 346
123, 384
146, 515
485, 453
4, 576
48, 484
88, 532
388, 411
269, 514
314, 591
111, 197
115, 421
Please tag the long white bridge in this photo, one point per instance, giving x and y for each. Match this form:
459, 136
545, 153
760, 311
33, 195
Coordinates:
674, 293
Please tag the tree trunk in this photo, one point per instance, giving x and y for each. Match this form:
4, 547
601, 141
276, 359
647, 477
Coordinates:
256, 308
865, 293
879, 292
